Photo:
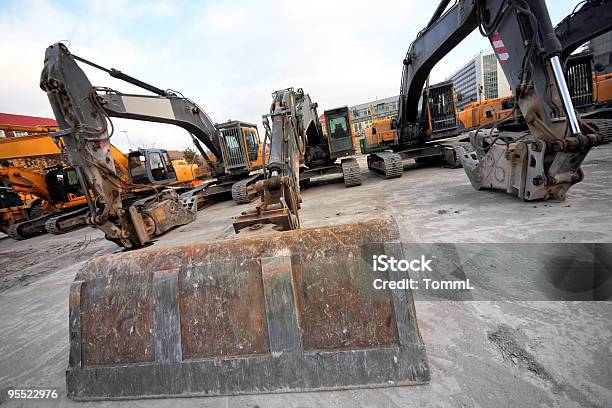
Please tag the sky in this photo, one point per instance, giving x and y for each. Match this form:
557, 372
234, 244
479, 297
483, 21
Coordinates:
228, 56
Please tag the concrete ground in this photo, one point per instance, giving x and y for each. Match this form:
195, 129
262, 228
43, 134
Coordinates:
482, 353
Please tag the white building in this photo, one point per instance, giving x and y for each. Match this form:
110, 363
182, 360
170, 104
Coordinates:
481, 78
363, 114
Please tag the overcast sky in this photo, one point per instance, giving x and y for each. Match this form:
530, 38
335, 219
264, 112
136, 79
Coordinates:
226, 56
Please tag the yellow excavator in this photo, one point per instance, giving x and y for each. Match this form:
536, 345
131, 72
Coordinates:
42, 194
50, 199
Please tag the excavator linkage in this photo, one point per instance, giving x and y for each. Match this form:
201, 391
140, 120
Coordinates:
286, 311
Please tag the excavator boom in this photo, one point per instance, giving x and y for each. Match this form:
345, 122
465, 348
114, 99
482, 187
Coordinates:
119, 207
280, 188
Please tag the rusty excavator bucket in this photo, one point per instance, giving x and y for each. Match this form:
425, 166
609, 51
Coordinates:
287, 311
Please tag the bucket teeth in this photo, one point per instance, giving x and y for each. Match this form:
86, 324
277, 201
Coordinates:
287, 311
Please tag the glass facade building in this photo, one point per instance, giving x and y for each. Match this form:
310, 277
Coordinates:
481, 78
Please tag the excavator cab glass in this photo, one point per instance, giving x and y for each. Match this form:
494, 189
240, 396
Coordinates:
150, 166
235, 152
158, 170
338, 127
340, 133
171, 172
160, 167
9, 198
54, 178
507, 103
138, 167
441, 109
71, 182
252, 144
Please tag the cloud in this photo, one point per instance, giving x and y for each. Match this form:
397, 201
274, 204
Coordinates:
227, 56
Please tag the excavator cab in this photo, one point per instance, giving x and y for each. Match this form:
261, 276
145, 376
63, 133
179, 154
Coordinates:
339, 129
437, 116
151, 166
240, 147
441, 113
62, 184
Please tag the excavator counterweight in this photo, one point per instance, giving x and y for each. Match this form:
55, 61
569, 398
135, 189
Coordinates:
286, 311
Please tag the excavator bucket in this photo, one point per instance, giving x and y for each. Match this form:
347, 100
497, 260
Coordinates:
286, 311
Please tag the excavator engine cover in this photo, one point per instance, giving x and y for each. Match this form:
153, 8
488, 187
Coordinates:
286, 311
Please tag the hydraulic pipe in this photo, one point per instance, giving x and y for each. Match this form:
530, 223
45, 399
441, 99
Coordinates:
565, 95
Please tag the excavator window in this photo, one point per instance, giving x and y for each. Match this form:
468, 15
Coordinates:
171, 173
338, 127
158, 170
73, 179
8, 198
508, 103
138, 169
71, 182
252, 145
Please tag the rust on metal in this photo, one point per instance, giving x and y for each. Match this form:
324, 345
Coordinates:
117, 319
222, 309
293, 310
338, 307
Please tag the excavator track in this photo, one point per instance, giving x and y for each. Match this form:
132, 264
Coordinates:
77, 219
28, 229
351, 172
387, 164
602, 126
13, 232
241, 191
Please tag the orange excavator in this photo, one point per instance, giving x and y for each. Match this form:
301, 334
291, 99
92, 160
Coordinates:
42, 194
39, 194
51, 201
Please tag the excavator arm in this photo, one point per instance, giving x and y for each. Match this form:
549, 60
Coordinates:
541, 164
442, 34
170, 109
83, 113
291, 116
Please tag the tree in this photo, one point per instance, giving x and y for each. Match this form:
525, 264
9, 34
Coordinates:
191, 157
